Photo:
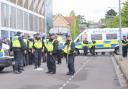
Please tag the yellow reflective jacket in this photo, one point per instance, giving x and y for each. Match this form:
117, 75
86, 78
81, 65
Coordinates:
16, 42
67, 48
38, 44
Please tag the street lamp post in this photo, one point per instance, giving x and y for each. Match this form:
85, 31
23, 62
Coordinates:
120, 32
45, 19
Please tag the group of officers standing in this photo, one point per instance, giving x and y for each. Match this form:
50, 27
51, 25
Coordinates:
91, 47
32, 50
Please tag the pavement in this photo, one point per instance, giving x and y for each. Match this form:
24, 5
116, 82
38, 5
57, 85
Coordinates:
123, 64
92, 72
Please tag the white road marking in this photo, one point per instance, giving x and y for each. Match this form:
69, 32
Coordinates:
68, 81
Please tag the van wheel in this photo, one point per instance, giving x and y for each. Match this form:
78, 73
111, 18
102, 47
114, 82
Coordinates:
1, 68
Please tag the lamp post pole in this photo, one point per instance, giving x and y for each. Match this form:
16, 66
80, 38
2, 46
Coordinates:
120, 32
45, 19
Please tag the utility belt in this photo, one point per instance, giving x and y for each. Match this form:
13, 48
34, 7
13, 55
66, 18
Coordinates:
71, 53
16, 49
38, 48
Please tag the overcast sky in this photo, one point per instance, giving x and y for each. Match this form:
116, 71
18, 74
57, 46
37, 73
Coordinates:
91, 9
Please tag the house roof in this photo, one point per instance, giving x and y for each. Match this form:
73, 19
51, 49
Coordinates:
70, 19
59, 20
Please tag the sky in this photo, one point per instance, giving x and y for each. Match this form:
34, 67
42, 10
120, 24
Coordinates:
93, 10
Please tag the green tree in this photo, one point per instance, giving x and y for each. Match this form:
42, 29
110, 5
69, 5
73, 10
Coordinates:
81, 19
110, 13
110, 20
72, 13
125, 15
75, 28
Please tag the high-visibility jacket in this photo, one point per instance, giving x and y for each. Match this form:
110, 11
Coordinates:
91, 45
85, 43
124, 42
49, 46
16, 42
38, 44
30, 44
67, 48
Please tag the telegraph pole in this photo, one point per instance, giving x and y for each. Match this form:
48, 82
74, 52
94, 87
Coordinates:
120, 32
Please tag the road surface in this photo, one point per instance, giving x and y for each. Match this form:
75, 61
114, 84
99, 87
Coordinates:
92, 72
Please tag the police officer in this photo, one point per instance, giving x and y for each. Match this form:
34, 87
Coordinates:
85, 45
30, 55
69, 48
51, 49
17, 46
37, 51
125, 46
59, 54
43, 52
92, 47
26, 60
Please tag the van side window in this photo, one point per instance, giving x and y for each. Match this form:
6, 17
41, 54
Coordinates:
111, 36
96, 37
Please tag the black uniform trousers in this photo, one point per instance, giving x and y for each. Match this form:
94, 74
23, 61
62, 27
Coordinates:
92, 50
124, 51
26, 60
51, 63
59, 56
30, 57
85, 50
37, 57
18, 57
70, 63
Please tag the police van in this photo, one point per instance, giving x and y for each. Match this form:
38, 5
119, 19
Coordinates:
5, 59
107, 39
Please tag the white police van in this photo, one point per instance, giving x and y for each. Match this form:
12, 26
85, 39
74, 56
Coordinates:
107, 39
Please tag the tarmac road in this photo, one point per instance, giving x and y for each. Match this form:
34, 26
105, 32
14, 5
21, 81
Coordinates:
92, 72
